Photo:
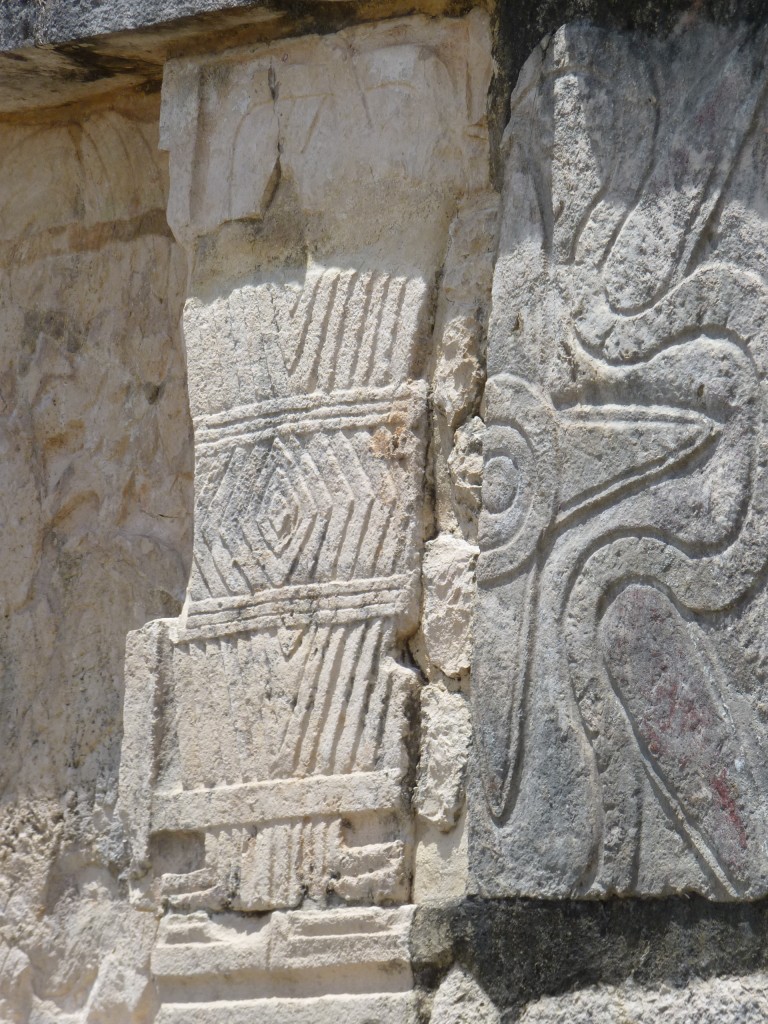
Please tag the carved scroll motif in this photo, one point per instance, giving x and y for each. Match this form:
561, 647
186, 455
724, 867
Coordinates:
624, 537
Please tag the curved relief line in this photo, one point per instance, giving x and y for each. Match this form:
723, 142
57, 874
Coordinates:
547, 75
344, 505
356, 649
501, 793
386, 357
634, 481
350, 721
364, 296
327, 678
330, 360
236, 683
505, 403
255, 677
302, 321
647, 334
564, 579
308, 375
668, 562
709, 195
372, 308
674, 807
223, 716
619, 374
598, 263
308, 660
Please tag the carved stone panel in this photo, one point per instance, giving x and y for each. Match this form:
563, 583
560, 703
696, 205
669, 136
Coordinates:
620, 660
267, 759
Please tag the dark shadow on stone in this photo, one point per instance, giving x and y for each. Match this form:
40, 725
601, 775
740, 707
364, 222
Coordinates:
520, 950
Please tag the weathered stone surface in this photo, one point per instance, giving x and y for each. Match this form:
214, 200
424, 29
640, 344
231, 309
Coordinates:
95, 531
299, 966
291, 783
445, 738
458, 372
623, 543
521, 951
460, 1000
717, 1001
448, 576
270, 732
465, 465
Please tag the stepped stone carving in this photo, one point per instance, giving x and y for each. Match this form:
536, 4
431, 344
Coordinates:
619, 661
267, 758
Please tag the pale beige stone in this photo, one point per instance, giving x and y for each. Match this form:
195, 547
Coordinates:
465, 465
269, 746
441, 866
458, 371
460, 1000
95, 529
448, 577
445, 739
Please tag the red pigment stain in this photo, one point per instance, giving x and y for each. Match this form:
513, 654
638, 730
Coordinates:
728, 804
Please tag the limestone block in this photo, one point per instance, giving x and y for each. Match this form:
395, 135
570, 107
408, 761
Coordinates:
448, 575
619, 725
465, 465
460, 1000
95, 523
400, 95
269, 749
458, 371
445, 737
15, 985
465, 292
286, 967
739, 1000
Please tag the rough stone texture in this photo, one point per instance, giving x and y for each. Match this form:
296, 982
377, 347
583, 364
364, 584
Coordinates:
445, 739
270, 731
722, 1001
292, 828
63, 51
95, 532
618, 671
448, 579
460, 1000
522, 951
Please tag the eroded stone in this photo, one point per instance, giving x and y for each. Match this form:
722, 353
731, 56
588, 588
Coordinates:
460, 1000
281, 712
741, 1000
445, 737
623, 547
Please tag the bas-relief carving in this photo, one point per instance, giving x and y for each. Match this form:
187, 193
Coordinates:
267, 757
619, 667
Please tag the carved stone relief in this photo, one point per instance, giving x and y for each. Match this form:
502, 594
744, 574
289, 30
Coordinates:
619, 663
268, 755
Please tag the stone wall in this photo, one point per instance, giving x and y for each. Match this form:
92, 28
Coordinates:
441, 327
96, 521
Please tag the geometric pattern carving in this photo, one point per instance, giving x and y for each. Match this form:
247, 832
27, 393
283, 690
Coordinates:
623, 534
316, 498
265, 961
266, 757
305, 567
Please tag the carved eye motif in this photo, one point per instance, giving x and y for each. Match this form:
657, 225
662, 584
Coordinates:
518, 481
501, 478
